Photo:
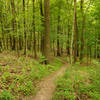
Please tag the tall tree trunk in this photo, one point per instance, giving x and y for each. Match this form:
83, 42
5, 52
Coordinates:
74, 35
1, 22
38, 41
13, 24
68, 42
29, 36
25, 37
82, 34
34, 36
98, 48
58, 33
42, 32
83, 12
47, 29
54, 47
82, 39
75, 31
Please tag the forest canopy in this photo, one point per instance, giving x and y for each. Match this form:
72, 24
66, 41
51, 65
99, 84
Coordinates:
69, 27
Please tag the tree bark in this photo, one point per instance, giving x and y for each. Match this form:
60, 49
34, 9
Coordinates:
25, 37
58, 33
13, 24
47, 30
34, 36
83, 12
42, 32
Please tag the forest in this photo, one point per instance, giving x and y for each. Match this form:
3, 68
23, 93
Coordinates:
49, 49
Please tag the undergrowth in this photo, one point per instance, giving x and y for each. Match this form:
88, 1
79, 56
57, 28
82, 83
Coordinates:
79, 83
21, 80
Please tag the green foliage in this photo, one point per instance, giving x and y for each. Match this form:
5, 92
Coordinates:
57, 63
6, 76
26, 88
6, 95
21, 80
79, 83
42, 59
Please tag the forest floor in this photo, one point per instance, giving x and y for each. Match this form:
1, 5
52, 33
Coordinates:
22, 77
79, 82
47, 85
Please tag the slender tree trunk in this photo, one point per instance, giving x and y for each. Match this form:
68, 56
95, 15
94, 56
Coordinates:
34, 36
54, 47
68, 42
58, 33
90, 50
38, 41
75, 31
1, 22
42, 32
71, 48
28, 37
62, 42
74, 35
13, 24
98, 48
25, 37
0, 45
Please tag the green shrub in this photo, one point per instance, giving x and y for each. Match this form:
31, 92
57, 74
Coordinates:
6, 76
43, 60
27, 88
6, 95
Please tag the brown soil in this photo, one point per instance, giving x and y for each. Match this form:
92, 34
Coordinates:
47, 86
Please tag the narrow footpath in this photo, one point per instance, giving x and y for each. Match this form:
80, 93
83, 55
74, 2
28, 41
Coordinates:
47, 86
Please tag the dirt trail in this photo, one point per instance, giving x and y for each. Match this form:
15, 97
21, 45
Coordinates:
47, 86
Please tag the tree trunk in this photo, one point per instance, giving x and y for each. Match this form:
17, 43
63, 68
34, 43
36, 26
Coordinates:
74, 35
34, 36
68, 42
47, 30
42, 32
58, 33
25, 37
13, 24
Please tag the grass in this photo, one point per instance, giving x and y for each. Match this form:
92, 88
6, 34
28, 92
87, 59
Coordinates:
19, 76
79, 83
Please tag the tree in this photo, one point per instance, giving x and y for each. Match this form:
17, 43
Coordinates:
84, 13
74, 34
34, 36
25, 37
47, 29
42, 32
58, 30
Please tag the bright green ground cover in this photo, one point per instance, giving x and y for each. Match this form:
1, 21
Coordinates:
79, 83
21, 78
